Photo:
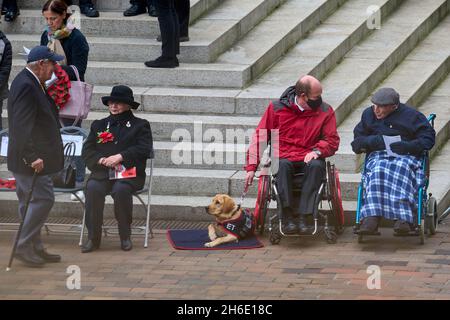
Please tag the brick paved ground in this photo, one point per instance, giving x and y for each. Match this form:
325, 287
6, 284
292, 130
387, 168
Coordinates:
307, 269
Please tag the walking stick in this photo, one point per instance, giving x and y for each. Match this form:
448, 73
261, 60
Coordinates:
30, 193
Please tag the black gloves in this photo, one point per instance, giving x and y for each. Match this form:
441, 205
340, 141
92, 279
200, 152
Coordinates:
407, 147
368, 144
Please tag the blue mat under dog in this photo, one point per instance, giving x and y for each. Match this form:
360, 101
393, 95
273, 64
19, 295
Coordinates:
196, 239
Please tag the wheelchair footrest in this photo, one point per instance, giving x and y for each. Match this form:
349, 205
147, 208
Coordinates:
412, 233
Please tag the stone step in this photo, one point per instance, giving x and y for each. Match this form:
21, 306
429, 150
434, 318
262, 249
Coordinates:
233, 69
110, 23
373, 59
210, 36
163, 207
208, 182
190, 155
317, 54
198, 128
342, 30
431, 57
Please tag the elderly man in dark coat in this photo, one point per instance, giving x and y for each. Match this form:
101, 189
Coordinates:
391, 180
34, 146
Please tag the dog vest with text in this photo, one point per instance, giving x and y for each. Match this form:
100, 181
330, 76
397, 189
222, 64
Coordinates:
241, 226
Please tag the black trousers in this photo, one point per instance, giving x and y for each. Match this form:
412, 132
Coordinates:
122, 193
314, 173
10, 5
169, 27
182, 7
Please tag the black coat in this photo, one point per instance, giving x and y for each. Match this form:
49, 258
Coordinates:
33, 127
5, 65
132, 139
76, 50
406, 122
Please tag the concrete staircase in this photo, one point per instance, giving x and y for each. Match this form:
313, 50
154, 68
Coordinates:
242, 54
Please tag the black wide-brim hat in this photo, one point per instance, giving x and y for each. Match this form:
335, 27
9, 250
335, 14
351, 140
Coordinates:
121, 94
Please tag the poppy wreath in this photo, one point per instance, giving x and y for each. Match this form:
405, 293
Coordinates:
59, 91
104, 136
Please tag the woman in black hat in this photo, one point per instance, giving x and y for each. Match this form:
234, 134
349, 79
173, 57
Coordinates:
120, 139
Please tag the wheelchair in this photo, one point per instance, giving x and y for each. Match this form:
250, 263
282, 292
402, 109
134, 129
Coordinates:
330, 222
425, 217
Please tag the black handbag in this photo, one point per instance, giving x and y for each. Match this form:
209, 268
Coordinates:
66, 177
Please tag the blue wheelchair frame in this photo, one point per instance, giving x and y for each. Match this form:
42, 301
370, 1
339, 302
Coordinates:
425, 222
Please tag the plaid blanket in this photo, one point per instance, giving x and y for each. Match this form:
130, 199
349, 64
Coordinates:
391, 186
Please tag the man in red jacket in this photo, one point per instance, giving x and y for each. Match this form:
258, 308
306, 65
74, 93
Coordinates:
306, 130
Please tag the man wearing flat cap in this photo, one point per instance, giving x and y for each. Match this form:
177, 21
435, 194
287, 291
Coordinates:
34, 146
391, 181
118, 140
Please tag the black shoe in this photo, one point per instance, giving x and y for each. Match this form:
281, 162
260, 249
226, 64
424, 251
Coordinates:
134, 10
302, 227
126, 244
369, 225
90, 11
402, 227
31, 260
48, 257
182, 39
3, 11
290, 228
163, 63
89, 246
10, 16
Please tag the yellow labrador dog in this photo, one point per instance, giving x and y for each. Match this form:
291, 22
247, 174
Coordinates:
232, 222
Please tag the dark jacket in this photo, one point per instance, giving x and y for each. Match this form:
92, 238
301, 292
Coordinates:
76, 49
405, 121
5, 65
33, 127
300, 132
132, 139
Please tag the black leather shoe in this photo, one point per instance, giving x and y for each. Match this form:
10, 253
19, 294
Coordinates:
163, 63
126, 244
48, 257
290, 228
90, 11
302, 227
10, 16
89, 246
134, 10
31, 260
369, 225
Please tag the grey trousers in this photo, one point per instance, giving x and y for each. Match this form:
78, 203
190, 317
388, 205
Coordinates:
40, 205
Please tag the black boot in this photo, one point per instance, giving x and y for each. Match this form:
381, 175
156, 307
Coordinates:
163, 62
289, 227
126, 244
134, 10
402, 227
89, 246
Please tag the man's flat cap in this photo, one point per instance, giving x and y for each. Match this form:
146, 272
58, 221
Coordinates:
386, 96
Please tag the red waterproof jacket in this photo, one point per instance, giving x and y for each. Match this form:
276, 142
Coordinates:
299, 132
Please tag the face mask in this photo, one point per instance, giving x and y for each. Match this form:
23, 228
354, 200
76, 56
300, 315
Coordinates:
314, 104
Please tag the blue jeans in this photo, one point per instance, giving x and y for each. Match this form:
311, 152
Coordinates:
80, 166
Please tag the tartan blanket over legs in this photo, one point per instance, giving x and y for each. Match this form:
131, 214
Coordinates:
391, 186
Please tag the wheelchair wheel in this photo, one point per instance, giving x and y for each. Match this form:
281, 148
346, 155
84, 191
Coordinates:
262, 203
422, 232
274, 229
335, 197
431, 218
